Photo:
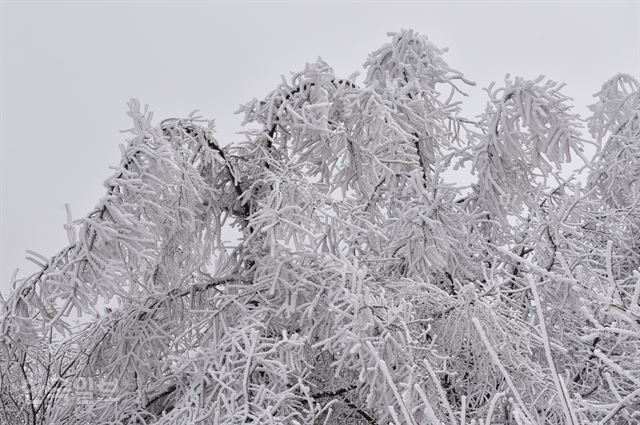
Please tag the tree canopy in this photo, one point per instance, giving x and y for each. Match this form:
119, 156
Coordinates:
324, 271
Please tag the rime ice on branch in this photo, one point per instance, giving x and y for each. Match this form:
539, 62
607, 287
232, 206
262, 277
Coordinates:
362, 289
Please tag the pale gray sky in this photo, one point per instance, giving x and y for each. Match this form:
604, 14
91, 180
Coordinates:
68, 69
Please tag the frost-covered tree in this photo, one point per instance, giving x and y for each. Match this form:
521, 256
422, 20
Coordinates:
323, 271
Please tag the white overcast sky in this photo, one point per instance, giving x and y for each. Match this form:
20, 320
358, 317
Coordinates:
68, 69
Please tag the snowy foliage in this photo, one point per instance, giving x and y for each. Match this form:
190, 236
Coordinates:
362, 288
